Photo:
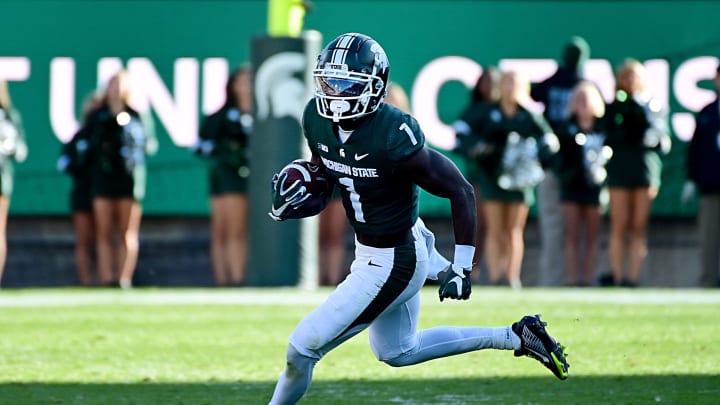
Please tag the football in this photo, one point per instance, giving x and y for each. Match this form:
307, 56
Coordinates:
313, 177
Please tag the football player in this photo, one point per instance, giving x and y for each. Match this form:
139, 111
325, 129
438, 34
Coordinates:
376, 155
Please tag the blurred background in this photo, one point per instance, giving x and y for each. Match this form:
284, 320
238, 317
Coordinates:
179, 54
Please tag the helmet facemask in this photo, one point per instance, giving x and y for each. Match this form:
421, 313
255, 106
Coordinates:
343, 94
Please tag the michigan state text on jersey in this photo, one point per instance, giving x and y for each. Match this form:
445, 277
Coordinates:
378, 198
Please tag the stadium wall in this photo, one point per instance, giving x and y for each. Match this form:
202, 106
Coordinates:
179, 53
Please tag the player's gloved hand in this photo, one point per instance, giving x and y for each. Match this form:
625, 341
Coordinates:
456, 284
286, 198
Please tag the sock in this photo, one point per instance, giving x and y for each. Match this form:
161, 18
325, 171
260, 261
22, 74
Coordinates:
505, 338
446, 341
295, 380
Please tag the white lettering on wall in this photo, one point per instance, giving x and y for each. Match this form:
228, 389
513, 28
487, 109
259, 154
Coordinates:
179, 115
62, 98
215, 73
689, 95
14, 68
684, 83
600, 72
177, 110
425, 95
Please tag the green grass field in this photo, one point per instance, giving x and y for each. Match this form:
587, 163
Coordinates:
70, 346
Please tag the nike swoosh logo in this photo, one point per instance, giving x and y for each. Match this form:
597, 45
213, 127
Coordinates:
370, 263
361, 157
279, 211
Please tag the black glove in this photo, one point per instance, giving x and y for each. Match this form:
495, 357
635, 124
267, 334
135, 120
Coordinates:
285, 200
456, 284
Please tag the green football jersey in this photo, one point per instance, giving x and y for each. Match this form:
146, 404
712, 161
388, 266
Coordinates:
377, 198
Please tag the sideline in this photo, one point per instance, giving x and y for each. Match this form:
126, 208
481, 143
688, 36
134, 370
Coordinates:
288, 296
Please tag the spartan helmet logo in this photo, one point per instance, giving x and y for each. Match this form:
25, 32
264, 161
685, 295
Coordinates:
278, 90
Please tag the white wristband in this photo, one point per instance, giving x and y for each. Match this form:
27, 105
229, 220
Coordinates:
464, 256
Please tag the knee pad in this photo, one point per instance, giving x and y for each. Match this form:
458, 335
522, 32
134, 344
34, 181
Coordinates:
297, 363
398, 361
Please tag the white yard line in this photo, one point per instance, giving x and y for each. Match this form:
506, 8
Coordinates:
293, 296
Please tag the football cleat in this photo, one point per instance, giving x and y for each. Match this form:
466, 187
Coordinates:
536, 343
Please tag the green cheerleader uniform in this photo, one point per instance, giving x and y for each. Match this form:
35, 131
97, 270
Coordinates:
576, 181
74, 161
636, 159
117, 145
10, 126
224, 136
463, 146
490, 127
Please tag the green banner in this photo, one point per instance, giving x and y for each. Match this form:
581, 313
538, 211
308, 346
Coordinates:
179, 53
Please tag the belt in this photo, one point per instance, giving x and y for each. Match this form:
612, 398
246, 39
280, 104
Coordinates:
387, 240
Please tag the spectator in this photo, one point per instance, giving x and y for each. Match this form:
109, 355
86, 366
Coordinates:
581, 173
506, 204
224, 139
397, 96
12, 148
703, 167
554, 94
74, 161
118, 143
484, 92
637, 131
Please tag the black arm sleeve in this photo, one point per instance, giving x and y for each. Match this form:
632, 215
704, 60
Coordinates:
439, 176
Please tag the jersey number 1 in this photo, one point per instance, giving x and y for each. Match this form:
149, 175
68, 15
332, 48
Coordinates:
354, 198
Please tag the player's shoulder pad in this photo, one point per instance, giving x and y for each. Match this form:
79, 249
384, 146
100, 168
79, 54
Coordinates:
405, 137
310, 116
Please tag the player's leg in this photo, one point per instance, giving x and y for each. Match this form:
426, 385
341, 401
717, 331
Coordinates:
395, 340
295, 379
378, 277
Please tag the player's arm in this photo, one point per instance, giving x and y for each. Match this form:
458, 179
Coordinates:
439, 176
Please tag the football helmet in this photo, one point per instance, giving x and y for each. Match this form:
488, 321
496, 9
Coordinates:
351, 77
